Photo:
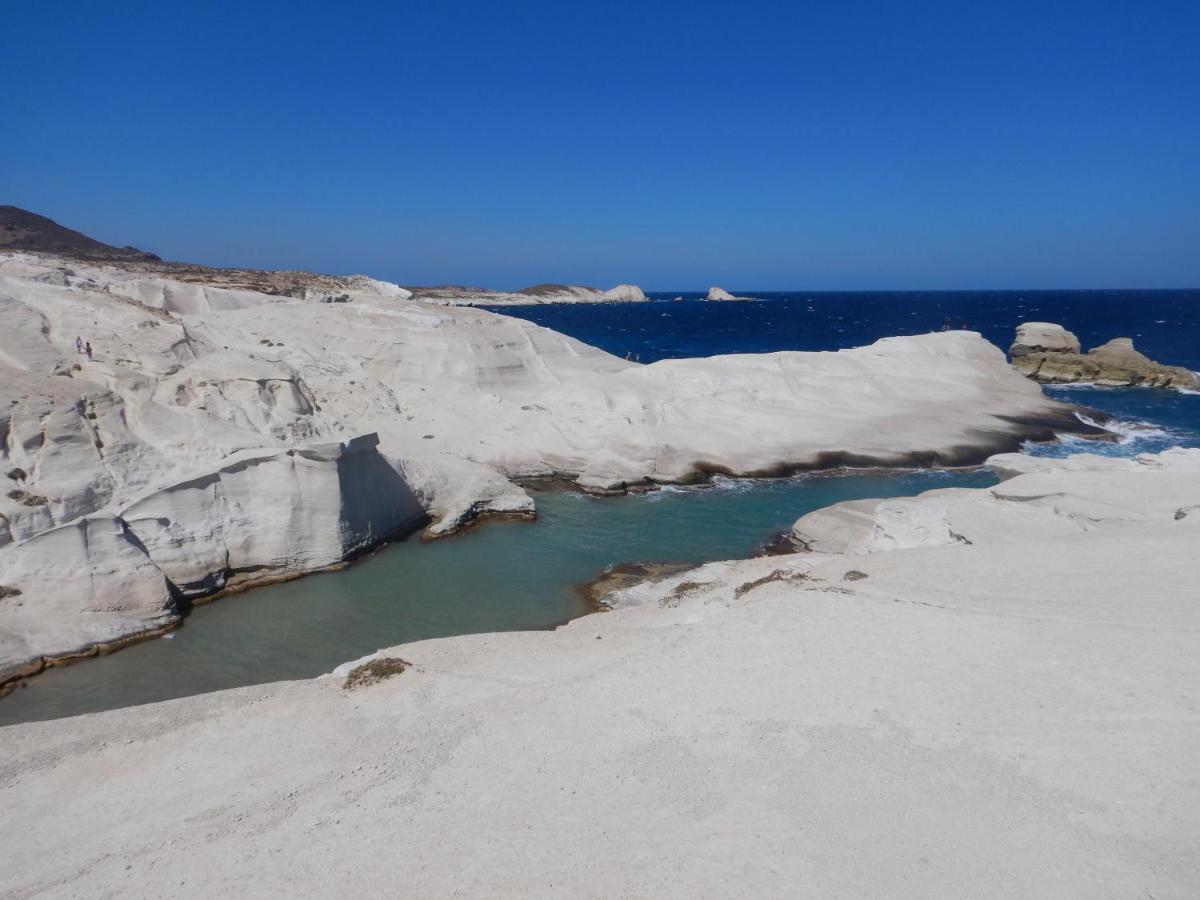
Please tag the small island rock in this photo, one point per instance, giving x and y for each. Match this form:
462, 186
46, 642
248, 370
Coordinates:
1052, 355
1043, 337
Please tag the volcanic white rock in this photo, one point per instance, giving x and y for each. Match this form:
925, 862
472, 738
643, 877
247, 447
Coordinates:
188, 381
1045, 498
625, 293
1015, 716
530, 296
1043, 337
716, 293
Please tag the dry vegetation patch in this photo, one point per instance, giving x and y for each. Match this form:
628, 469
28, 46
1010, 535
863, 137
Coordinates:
27, 499
682, 590
777, 575
374, 671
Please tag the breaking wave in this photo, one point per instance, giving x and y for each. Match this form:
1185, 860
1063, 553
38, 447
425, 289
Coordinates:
1132, 436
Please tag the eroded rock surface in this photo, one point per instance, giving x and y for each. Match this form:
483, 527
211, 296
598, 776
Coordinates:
531, 296
261, 516
719, 294
1052, 355
1042, 337
1039, 497
205, 417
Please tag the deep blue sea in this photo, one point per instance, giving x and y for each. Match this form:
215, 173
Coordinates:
1164, 324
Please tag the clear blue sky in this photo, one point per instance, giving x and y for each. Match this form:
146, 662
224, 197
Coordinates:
676, 145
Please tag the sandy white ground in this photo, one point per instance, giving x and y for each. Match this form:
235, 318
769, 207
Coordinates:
1017, 716
221, 436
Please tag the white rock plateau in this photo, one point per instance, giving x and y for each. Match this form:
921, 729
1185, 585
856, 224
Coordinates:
1011, 717
532, 296
225, 437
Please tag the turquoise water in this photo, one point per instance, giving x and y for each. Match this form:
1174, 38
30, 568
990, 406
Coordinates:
505, 575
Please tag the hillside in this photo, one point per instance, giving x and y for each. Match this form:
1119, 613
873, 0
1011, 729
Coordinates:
21, 229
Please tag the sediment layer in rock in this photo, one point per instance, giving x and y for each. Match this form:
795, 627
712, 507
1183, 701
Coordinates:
1050, 354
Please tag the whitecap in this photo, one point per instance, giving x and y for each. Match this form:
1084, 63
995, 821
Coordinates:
1076, 385
1128, 429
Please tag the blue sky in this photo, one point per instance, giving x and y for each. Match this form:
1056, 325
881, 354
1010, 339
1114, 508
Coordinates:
753, 145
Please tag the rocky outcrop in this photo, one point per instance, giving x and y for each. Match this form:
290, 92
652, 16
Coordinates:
263, 516
624, 293
537, 294
259, 517
720, 294
80, 586
1051, 354
1042, 337
1038, 498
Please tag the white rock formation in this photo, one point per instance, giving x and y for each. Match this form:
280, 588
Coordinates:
1044, 498
1051, 355
462, 401
625, 293
1043, 337
530, 296
1015, 717
77, 587
717, 294
261, 516
266, 514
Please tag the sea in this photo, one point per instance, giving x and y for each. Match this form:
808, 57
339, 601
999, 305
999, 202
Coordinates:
508, 575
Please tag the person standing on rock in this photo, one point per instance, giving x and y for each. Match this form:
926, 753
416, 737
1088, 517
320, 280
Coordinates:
87, 348
78, 345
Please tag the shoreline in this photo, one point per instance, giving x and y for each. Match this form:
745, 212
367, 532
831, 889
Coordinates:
589, 590
227, 411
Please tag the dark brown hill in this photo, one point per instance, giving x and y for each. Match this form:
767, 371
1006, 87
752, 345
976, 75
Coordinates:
23, 230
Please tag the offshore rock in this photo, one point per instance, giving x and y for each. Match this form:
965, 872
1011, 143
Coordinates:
1042, 337
1051, 354
717, 294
